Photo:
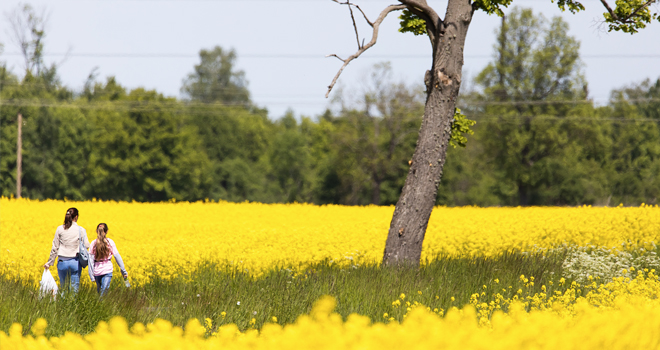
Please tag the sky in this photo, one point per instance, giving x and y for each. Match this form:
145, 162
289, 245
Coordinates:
282, 44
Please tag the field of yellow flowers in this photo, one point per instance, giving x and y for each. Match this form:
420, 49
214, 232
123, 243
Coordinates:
175, 238
171, 238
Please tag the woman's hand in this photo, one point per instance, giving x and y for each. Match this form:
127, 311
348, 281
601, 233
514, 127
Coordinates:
46, 266
125, 274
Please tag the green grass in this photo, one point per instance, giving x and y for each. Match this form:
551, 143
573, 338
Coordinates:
209, 291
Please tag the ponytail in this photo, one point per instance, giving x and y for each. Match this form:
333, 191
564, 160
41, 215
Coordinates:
102, 247
71, 214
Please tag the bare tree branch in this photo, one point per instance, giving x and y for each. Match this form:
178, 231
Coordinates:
364, 48
357, 7
364, 15
357, 36
334, 55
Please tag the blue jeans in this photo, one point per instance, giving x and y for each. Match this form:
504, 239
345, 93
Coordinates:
103, 283
69, 273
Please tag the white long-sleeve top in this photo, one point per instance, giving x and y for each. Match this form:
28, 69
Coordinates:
65, 242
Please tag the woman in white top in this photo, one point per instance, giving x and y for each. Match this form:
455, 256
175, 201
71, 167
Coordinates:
66, 248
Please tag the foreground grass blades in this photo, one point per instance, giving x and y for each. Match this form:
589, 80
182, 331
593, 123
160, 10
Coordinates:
233, 296
590, 328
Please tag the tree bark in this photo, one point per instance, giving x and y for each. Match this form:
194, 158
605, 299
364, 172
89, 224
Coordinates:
414, 207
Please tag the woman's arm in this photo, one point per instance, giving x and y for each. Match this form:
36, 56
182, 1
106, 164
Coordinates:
53, 250
90, 266
120, 262
85, 240
118, 258
90, 263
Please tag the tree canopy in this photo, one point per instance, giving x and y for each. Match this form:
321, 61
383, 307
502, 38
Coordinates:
537, 133
215, 79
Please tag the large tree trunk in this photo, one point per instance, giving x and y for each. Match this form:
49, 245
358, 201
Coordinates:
413, 210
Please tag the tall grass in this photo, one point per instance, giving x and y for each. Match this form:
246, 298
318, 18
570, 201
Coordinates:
211, 291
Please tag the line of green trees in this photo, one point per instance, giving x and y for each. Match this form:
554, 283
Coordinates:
538, 140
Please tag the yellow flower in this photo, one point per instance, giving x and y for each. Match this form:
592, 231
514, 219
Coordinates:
402, 296
39, 327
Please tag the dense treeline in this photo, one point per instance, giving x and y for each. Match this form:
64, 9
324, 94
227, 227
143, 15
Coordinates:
538, 140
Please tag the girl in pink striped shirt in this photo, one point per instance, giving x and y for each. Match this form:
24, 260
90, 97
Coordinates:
101, 250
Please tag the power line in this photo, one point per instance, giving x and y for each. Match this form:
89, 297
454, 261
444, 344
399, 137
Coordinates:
566, 118
320, 96
551, 102
296, 56
307, 1
179, 103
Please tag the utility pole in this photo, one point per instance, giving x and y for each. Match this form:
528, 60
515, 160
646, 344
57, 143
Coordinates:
19, 155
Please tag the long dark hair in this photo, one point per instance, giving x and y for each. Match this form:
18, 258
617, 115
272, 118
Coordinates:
71, 214
102, 247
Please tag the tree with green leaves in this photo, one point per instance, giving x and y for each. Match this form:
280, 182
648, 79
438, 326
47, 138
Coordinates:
142, 147
634, 156
375, 138
41, 101
645, 96
447, 37
235, 139
215, 79
28, 33
536, 137
289, 159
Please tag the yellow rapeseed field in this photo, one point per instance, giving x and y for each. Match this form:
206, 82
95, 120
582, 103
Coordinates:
174, 238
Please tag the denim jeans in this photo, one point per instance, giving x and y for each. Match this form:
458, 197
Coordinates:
69, 272
103, 283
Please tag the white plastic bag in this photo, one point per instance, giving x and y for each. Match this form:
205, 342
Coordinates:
47, 285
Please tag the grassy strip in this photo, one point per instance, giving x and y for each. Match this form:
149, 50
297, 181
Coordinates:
209, 292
